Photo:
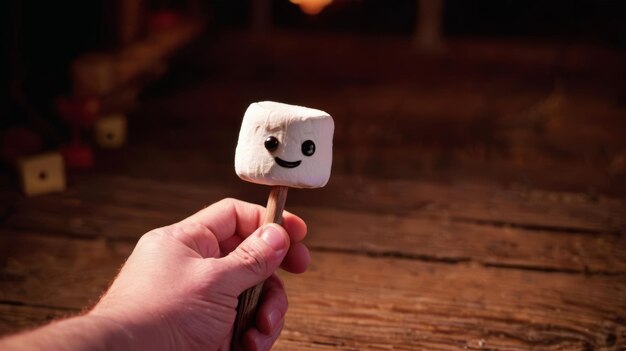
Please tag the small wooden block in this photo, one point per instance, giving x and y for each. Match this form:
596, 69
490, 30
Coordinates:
110, 131
42, 174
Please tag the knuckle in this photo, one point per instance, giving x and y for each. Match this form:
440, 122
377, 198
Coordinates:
153, 235
227, 201
251, 259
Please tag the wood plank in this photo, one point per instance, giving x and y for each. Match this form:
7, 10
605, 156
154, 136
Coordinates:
479, 202
14, 318
472, 201
351, 301
57, 272
440, 239
489, 203
123, 208
54, 214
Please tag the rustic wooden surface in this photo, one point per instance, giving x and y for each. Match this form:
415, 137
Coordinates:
487, 212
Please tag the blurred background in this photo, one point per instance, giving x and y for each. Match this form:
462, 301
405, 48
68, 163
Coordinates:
517, 91
479, 172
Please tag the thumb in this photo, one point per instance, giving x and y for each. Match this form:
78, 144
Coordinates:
257, 257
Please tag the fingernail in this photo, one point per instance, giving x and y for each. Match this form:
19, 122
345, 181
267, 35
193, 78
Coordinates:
274, 238
274, 318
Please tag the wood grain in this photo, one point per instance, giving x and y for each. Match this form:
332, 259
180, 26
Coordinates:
15, 318
57, 272
482, 202
275, 205
485, 202
416, 237
420, 227
359, 302
408, 305
436, 223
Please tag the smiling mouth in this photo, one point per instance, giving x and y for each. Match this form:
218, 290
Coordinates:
287, 164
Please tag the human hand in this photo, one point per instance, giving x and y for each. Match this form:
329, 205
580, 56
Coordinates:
178, 289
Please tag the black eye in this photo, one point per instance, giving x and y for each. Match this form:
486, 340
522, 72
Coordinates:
308, 148
271, 143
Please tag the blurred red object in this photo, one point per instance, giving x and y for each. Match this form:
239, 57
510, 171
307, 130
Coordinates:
19, 142
77, 155
78, 112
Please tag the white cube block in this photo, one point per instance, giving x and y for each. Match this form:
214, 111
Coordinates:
282, 144
42, 174
110, 131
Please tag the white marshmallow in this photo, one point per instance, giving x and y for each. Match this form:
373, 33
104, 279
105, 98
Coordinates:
287, 165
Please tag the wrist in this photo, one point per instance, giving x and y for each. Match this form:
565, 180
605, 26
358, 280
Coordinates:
85, 332
132, 331
108, 333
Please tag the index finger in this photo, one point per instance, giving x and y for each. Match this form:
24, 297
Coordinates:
230, 217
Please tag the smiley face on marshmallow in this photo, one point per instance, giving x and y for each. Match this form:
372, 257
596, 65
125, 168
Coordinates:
281, 144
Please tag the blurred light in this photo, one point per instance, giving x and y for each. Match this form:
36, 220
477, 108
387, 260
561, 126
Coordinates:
311, 7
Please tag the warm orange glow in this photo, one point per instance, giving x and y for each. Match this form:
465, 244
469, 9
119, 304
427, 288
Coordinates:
311, 7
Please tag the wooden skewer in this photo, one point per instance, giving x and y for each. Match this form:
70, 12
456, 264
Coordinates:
248, 300
275, 205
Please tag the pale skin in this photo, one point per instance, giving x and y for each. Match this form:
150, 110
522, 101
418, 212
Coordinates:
178, 289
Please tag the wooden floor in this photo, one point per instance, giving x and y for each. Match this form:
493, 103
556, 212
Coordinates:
473, 204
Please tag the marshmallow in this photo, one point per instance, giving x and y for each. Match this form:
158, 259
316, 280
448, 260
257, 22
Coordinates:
287, 145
